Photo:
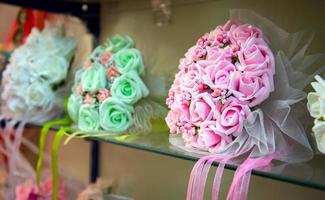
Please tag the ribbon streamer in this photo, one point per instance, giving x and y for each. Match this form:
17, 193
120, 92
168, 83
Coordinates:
44, 132
55, 168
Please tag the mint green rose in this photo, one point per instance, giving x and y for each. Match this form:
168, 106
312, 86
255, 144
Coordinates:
115, 116
74, 103
39, 94
119, 42
97, 52
94, 78
88, 119
129, 88
129, 59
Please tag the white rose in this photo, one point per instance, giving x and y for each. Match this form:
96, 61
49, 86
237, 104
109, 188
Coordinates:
52, 69
39, 94
316, 100
319, 132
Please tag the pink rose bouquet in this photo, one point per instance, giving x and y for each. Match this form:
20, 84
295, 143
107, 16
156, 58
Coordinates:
221, 79
234, 100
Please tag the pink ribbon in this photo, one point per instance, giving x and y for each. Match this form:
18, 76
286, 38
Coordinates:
239, 186
217, 179
199, 176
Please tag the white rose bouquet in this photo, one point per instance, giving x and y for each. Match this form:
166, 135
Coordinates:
33, 83
316, 107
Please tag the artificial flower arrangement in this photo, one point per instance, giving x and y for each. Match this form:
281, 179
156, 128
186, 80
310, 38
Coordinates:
33, 82
21, 27
108, 87
316, 107
220, 81
108, 99
34, 85
235, 99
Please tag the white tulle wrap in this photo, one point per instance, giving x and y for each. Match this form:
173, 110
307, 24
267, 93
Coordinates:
32, 86
278, 125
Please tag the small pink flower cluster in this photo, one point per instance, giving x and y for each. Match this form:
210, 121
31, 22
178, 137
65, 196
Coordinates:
220, 80
30, 191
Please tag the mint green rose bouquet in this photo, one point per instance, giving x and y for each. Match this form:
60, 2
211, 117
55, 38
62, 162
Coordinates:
109, 94
109, 98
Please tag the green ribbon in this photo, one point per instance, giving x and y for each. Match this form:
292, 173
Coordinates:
55, 167
44, 132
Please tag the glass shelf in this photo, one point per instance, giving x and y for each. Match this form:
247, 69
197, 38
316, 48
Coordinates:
309, 174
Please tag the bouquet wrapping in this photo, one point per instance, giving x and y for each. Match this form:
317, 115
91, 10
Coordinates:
235, 99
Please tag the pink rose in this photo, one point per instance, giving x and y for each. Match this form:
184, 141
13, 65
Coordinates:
202, 108
215, 54
191, 80
240, 33
210, 138
218, 75
231, 119
196, 53
254, 89
256, 58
